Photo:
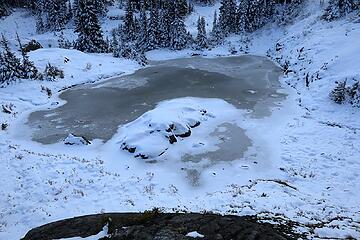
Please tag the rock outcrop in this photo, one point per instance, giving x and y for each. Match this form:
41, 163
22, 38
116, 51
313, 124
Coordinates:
158, 226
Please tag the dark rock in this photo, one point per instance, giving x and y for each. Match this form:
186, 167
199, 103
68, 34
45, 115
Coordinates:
142, 156
154, 225
127, 148
32, 46
172, 139
195, 125
184, 135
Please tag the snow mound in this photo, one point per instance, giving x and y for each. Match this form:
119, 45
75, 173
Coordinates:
71, 139
194, 235
171, 122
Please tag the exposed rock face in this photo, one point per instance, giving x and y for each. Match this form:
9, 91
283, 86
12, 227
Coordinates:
158, 226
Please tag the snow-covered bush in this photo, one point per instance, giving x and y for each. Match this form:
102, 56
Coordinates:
52, 72
338, 95
346, 93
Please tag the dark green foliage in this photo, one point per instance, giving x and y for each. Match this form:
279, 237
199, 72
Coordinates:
201, 38
64, 43
346, 93
12, 67
52, 72
4, 8
90, 36
339, 8
227, 18
338, 95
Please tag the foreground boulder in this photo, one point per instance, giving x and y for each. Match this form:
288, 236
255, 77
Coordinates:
158, 226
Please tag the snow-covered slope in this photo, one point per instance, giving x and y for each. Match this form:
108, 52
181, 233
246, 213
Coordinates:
311, 172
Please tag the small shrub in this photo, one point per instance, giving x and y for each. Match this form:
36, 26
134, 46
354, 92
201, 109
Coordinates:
4, 126
343, 93
338, 95
52, 72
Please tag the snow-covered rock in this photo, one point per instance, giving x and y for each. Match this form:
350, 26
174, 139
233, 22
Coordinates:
195, 234
72, 139
152, 134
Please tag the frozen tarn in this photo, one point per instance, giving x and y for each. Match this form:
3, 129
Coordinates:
96, 111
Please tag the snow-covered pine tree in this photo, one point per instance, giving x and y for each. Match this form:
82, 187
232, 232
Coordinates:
4, 8
153, 30
57, 14
70, 12
129, 27
128, 50
9, 63
178, 33
201, 38
27, 67
339, 8
243, 15
227, 17
286, 13
90, 36
181, 7
114, 41
205, 2
166, 17
142, 38
338, 95
216, 35
40, 27
63, 42
101, 6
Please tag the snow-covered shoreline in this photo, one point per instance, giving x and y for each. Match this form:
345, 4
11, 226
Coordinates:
313, 177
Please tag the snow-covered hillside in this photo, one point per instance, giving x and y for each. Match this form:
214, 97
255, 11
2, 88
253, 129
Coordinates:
310, 175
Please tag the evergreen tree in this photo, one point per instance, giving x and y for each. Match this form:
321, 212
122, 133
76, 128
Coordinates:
114, 41
201, 38
227, 17
57, 14
4, 8
129, 23
178, 34
216, 35
339, 8
153, 30
70, 12
181, 7
63, 42
9, 63
143, 39
101, 6
205, 2
243, 15
40, 27
90, 37
27, 68
166, 18
338, 95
